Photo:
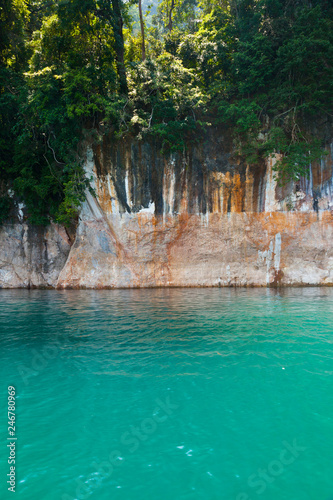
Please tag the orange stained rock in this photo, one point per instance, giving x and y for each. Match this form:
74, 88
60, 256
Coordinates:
226, 191
248, 202
216, 182
237, 194
321, 173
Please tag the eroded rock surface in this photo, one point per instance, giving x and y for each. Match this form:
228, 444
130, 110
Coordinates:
189, 250
32, 256
194, 219
199, 221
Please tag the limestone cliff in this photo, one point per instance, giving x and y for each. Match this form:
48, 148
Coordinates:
32, 256
191, 219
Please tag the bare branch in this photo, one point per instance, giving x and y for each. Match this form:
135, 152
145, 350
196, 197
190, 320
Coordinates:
54, 156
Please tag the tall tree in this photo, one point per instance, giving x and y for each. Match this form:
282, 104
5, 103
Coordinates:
142, 27
178, 14
119, 45
170, 23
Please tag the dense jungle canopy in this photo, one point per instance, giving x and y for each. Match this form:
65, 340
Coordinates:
73, 70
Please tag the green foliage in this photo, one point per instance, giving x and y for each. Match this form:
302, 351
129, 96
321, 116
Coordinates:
68, 70
272, 71
13, 16
6, 205
295, 157
74, 195
165, 98
62, 94
181, 13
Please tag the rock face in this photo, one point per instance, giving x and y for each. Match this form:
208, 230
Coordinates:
31, 256
189, 250
194, 219
199, 220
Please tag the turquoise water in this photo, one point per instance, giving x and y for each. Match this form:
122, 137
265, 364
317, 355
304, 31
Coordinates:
169, 394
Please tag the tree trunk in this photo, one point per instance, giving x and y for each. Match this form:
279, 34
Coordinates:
170, 15
119, 45
143, 45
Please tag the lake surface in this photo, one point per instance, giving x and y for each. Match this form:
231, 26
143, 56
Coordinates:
212, 394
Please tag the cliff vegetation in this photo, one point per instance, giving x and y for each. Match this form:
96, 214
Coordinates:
72, 71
